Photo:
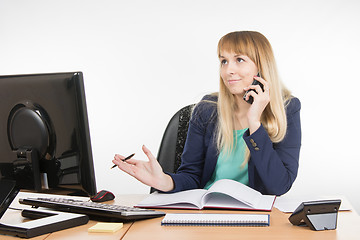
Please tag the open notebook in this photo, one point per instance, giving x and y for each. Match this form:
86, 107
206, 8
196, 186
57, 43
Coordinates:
224, 194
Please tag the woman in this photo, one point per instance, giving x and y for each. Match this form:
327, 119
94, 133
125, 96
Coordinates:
257, 144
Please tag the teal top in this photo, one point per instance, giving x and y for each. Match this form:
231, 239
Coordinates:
230, 166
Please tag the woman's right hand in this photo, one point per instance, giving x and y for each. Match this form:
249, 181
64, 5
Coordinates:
149, 173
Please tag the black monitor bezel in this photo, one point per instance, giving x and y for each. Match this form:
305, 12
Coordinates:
87, 185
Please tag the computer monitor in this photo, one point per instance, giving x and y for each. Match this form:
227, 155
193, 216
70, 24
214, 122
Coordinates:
44, 134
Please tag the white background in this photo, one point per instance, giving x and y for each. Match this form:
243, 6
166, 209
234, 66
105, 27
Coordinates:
143, 60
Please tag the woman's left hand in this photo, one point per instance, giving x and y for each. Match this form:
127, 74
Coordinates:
261, 100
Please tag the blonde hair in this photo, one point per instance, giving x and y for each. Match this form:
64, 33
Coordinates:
258, 49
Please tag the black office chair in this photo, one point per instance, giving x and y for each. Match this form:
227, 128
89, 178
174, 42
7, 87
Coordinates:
173, 140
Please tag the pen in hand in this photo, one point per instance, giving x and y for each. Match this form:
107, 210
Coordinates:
127, 158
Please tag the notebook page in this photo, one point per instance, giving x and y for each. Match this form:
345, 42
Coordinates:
185, 199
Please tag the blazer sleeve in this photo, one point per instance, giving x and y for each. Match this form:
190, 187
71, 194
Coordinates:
273, 167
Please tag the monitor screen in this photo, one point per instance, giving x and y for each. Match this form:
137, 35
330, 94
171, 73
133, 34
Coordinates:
44, 133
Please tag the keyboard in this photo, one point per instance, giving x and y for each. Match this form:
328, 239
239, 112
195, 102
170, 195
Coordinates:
95, 210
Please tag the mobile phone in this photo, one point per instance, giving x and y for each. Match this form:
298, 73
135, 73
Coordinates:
255, 82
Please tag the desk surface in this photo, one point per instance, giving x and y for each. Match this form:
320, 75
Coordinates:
348, 227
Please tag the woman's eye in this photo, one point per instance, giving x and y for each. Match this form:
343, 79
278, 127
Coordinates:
223, 62
239, 60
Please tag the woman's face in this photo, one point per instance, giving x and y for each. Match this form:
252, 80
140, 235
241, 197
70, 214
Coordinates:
237, 71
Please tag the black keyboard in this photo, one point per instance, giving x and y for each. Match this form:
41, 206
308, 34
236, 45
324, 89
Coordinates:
95, 211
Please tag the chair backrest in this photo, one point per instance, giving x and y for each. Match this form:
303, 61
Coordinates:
173, 140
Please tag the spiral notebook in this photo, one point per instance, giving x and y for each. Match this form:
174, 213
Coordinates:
214, 219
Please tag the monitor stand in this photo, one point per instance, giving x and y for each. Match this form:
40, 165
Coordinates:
44, 221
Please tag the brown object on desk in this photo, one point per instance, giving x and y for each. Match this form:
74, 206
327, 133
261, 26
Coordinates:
280, 227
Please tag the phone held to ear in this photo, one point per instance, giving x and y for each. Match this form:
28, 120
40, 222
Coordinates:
255, 82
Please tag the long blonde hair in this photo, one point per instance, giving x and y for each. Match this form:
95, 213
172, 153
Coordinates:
258, 49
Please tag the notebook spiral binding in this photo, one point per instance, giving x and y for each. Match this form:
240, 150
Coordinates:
235, 220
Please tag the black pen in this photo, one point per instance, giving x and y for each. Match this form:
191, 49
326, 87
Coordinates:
127, 158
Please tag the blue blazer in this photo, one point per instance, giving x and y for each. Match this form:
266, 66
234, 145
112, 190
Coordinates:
272, 167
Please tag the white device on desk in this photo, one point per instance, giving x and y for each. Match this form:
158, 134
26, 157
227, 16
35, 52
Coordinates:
46, 222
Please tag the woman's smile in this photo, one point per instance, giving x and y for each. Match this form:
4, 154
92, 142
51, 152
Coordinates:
233, 81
